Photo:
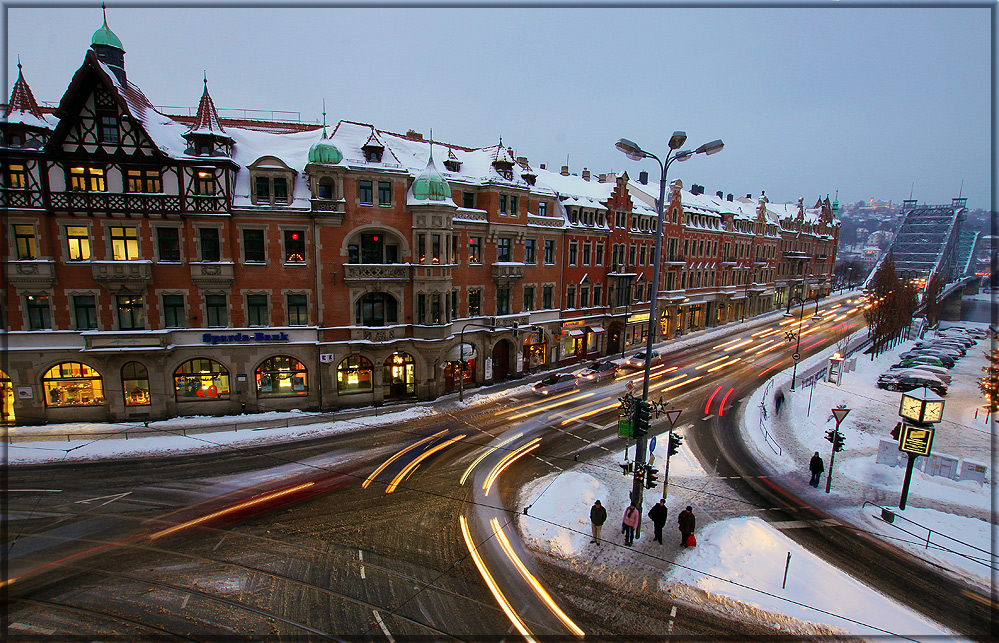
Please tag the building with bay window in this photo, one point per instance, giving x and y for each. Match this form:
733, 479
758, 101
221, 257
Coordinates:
162, 264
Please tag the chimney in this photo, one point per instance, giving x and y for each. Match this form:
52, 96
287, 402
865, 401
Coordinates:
749, 196
414, 134
544, 166
728, 197
586, 174
643, 177
565, 170
720, 194
522, 160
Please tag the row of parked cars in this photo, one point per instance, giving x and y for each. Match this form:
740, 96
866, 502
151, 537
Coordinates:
596, 372
927, 364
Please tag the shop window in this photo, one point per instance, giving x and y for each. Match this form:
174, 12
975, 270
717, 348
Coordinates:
353, 375
282, 376
168, 244
475, 250
256, 310
73, 384
135, 384
37, 307
24, 242
78, 242
294, 246
124, 243
201, 379
85, 312
399, 375
130, 312
253, 246
375, 309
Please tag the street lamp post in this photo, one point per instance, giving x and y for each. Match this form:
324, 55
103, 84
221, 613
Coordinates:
636, 153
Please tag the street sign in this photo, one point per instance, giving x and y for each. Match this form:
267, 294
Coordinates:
652, 445
624, 427
672, 416
916, 440
796, 357
840, 414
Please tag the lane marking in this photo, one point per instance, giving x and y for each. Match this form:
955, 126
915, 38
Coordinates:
113, 497
381, 624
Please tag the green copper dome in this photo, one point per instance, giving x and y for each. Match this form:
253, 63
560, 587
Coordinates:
430, 185
105, 36
324, 153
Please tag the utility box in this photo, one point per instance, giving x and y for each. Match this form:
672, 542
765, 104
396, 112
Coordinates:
835, 370
972, 470
889, 454
942, 465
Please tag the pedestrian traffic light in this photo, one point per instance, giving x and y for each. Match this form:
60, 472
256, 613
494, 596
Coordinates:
651, 477
831, 436
626, 467
840, 442
675, 442
643, 418
640, 475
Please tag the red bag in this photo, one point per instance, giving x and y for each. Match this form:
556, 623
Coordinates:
691, 541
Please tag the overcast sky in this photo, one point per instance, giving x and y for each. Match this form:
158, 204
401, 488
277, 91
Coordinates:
874, 102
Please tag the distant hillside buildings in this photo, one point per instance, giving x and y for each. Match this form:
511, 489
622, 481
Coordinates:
162, 265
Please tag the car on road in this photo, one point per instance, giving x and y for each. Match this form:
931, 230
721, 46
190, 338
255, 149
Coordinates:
638, 360
908, 383
598, 371
554, 384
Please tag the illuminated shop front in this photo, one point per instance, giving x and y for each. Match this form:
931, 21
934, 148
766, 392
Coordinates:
399, 376
535, 352
354, 375
282, 376
637, 330
73, 384
201, 380
135, 384
7, 391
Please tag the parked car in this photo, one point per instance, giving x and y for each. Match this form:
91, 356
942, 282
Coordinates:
977, 333
554, 384
942, 353
919, 372
598, 371
929, 368
959, 340
968, 340
945, 360
959, 348
908, 383
638, 360
923, 359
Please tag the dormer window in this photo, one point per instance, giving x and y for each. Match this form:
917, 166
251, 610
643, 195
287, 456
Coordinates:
204, 182
452, 165
205, 149
373, 155
271, 182
325, 188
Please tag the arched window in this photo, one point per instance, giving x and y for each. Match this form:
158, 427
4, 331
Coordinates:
73, 384
282, 376
375, 309
399, 375
354, 375
135, 384
201, 379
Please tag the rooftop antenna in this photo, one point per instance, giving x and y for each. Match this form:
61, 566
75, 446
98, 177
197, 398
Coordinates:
104, 10
432, 143
961, 191
324, 118
911, 189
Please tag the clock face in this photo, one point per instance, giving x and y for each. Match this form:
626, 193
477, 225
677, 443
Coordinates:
910, 408
933, 412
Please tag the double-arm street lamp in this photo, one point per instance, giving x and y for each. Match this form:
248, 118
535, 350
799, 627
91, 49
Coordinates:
801, 314
636, 153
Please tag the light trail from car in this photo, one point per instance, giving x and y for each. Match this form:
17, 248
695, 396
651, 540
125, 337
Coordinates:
532, 581
507, 461
409, 468
484, 454
728, 363
714, 361
740, 344
562, 402
726, 343
375, 474
707, 407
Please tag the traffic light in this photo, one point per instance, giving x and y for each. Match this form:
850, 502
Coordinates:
651, 477
675, 441
831, 436
840, 442
627, 467
516, 330
640, 475
643, 418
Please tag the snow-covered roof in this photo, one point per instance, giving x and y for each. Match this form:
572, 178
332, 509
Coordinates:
22, 107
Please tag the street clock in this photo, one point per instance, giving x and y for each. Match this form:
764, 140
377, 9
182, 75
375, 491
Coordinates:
923, 406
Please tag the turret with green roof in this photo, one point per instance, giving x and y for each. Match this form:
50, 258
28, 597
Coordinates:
109, 49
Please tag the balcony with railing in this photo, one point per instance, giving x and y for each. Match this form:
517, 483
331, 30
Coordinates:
332, 208
729, 260
675, 260
28, 199
506, 273
142, 204
361, 273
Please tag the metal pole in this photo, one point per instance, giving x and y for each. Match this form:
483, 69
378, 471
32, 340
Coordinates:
832, 457
461, 365
908, 477
794, 374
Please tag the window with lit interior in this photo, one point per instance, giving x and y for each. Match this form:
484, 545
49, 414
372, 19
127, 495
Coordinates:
282, 376
201, 379
73, 384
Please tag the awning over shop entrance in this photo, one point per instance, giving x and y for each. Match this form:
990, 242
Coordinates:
576, 332
597, 329
455, 353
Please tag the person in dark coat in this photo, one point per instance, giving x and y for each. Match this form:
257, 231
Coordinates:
658, 516
598, 516
816, 467
629, 523
687, 524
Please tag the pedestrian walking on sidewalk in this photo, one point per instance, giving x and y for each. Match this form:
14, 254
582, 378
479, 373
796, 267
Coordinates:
629, 523
816, 467
598, 516
658, 515
687, 524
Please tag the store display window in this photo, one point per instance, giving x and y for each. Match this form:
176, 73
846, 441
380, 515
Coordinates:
135, 384
73, 384
201, 379
354, 375
282, 376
